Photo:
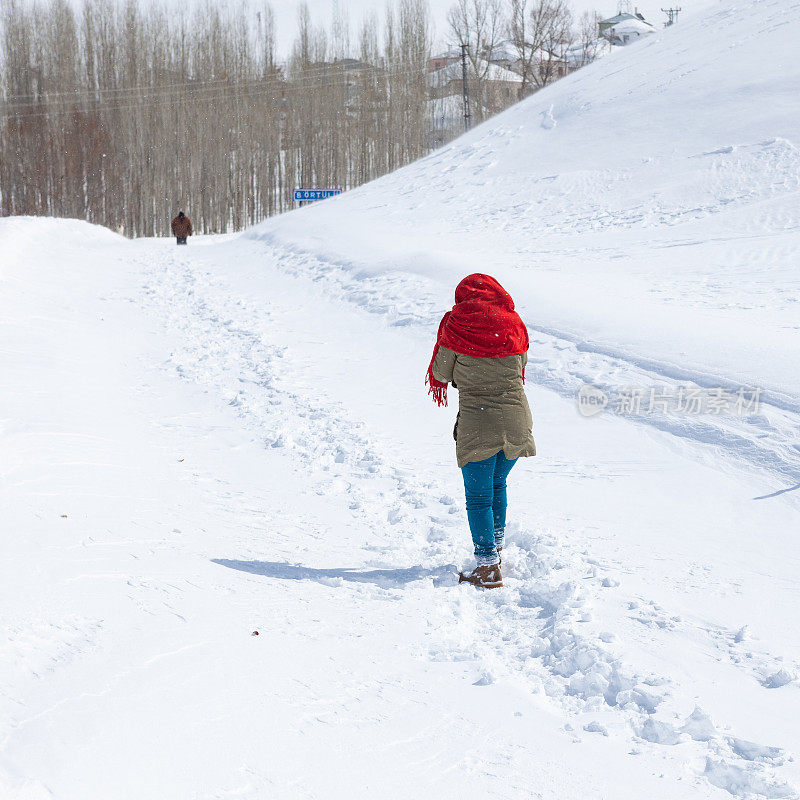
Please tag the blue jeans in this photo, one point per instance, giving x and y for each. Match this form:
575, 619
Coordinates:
485, 488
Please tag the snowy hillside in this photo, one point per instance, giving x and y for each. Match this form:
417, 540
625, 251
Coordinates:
644, 185
202, 443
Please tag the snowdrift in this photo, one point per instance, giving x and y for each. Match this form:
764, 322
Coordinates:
21, 237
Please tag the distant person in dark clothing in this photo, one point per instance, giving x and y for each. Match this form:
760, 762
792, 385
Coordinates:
182, 227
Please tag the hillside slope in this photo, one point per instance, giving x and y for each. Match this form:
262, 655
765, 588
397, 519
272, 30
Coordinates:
649, 202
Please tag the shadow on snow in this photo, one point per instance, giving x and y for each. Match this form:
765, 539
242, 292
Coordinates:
780, 491
380, 577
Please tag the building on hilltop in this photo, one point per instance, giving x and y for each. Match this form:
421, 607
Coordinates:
582, 53
500, 86
545, 64
504, 54
442, 60
625, 28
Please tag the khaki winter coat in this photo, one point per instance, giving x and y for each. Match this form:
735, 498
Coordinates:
493, 412
182, 227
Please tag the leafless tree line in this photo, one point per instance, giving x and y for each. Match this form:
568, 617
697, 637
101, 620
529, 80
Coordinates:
121, 114
533, 37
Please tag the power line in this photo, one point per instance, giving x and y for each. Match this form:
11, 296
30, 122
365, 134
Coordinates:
289, 74
146, 105
207, 95
194, 90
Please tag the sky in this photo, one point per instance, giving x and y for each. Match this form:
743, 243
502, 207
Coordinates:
322, 10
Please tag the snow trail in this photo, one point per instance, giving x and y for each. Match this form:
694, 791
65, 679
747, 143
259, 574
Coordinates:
766, 441
248, 353
218, 439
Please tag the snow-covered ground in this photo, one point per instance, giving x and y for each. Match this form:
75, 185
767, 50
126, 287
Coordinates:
199, 443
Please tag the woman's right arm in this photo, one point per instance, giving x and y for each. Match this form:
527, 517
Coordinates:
443, 365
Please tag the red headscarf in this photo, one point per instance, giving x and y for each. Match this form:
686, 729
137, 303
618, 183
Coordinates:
483, 324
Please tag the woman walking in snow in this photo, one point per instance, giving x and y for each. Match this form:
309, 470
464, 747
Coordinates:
482, 349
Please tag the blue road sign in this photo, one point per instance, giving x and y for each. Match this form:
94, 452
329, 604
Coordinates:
315, 194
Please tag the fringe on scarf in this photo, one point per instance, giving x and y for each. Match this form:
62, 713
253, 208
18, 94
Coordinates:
436, 389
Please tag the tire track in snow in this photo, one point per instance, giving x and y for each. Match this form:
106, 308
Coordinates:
530, 631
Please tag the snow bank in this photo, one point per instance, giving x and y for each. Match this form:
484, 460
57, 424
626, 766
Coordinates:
22, 235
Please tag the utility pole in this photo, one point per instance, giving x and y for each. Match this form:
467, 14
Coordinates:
672, 13
465, 87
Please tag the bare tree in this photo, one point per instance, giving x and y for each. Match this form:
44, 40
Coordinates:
479, 24
122, 113
540, 32
588, 36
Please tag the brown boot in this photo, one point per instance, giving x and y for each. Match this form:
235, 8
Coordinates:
499, 557
483, 577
